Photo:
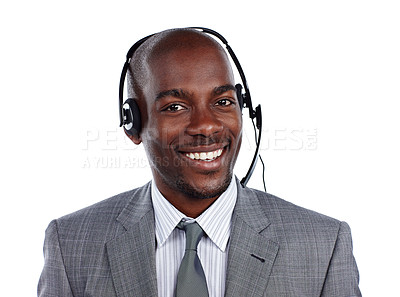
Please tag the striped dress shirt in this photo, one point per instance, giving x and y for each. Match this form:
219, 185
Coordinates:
212, 249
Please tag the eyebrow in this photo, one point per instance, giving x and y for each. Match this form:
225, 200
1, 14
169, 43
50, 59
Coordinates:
222, 89
177, 93
180, 93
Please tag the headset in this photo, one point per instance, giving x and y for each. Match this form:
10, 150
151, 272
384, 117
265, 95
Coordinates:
129, 113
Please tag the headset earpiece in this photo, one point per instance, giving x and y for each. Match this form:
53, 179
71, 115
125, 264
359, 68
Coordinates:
131, 121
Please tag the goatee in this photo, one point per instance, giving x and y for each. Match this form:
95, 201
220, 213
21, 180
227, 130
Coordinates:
206, 192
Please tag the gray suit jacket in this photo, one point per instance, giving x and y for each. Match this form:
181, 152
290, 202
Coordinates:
276, 249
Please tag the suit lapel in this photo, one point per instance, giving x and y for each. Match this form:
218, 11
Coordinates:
251, 253
132, 254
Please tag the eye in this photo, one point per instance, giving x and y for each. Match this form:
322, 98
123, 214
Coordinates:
174, 108
224, 102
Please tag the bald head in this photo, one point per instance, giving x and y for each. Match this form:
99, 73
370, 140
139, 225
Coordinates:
163, 45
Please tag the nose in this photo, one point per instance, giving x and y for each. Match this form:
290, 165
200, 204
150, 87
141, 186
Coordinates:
204, 122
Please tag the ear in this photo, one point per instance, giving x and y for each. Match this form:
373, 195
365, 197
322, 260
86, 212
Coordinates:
136, 139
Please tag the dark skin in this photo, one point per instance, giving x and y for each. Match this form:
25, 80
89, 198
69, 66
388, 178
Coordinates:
192, 124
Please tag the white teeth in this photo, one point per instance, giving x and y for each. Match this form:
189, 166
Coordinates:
205, 155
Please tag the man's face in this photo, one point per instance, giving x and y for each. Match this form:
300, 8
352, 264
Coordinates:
193, 125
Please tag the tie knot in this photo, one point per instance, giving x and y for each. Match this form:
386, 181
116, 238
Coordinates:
194, 233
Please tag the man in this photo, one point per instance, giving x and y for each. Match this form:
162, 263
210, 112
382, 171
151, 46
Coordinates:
254, 244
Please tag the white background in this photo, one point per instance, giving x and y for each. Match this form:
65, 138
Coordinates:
326, 73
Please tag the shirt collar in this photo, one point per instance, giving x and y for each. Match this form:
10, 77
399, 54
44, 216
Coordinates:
215, 220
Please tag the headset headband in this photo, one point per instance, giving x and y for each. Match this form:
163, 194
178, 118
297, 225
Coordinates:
246, 96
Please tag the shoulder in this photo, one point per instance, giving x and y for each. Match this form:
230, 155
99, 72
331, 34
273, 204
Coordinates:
107, 208
102, 216
308, 244
290, 218
297, 230
275, 205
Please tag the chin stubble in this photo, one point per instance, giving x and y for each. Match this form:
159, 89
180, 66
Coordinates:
205, 193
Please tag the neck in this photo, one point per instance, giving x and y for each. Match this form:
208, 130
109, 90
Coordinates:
193, 207
190, 205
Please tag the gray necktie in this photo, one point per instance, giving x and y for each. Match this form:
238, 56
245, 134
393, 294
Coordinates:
191, 280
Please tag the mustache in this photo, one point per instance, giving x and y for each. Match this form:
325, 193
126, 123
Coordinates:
200, 140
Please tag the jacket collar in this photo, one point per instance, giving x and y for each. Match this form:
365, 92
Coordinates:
251, 253
131, 254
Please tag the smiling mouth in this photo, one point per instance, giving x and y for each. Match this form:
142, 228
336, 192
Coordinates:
205, 156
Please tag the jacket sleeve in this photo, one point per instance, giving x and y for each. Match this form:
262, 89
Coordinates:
53, 281
342, 277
